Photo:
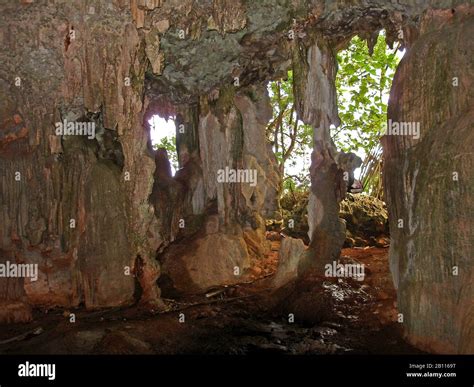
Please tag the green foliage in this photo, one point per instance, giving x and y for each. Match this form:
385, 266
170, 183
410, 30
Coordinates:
363, 83
371, 172
291, 139
169, 143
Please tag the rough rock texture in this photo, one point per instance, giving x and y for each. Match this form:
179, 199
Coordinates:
294, 206
204, 263
290, 255
72, 64
223, 221
315, 100
252, 39
429, 186
366, 220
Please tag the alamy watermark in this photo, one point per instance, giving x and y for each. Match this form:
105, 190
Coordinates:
28, 369
402, 128
229, 175
19, 270
70, 128
348, 270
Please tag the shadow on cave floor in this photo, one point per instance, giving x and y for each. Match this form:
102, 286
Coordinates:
232, 320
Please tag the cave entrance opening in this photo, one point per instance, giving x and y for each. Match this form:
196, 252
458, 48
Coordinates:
363, 85
163, 137
291, 143
363, 82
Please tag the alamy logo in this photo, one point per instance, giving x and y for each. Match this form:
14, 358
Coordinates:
349, 270
19, 270
229, 175
402, 128
70, 128
37, 370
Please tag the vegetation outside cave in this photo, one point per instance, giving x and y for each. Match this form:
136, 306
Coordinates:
363, 84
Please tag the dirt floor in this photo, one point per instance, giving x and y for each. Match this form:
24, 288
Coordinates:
239, 319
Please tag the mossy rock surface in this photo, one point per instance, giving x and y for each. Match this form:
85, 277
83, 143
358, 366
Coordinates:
366, 218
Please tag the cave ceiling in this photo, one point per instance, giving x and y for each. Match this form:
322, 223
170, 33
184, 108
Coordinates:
202, 49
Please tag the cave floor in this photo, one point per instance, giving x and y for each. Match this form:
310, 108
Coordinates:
232, 320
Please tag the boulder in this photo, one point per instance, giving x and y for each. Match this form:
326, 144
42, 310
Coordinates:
291, 253
366, 219
215, 259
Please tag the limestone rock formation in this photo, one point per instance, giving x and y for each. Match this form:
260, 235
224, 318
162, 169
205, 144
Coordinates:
75, 205
227, 139
316, 106
216, 259
366, 220
428, 184
365, 217
291, 252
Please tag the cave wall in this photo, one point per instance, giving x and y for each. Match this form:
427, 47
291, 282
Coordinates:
73, 61
428, 184
223, 221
